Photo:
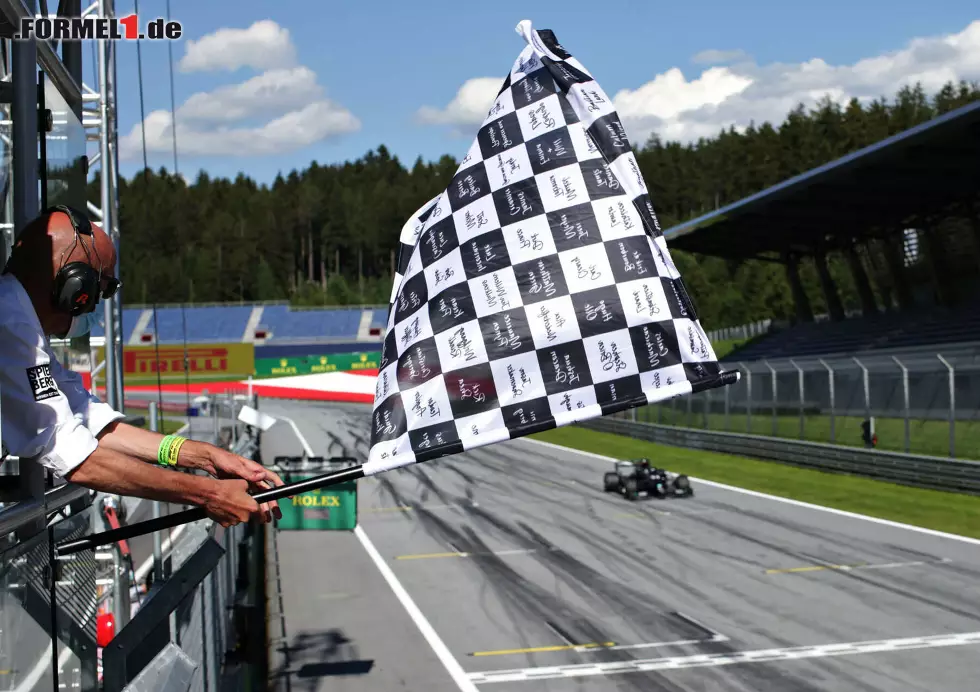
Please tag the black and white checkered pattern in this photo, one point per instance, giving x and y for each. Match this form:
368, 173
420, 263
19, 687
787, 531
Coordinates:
536, 290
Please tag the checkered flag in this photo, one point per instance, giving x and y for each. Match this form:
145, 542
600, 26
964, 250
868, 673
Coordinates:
536, 290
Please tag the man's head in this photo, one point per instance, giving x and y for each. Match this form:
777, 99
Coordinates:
65, 268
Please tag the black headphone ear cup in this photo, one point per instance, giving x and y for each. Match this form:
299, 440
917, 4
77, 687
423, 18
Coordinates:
76, 289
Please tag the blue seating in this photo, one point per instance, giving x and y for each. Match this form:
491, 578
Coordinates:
329, 323
129, 318
863, 334
227, 323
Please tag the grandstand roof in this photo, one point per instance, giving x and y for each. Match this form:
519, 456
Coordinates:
874, 191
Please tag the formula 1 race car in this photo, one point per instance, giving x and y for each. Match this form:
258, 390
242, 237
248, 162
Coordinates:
637, 477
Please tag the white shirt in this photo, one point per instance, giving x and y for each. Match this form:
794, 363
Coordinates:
46, 413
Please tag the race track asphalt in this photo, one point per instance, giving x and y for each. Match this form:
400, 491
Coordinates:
534, 579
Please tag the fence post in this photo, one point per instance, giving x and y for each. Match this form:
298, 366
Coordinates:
905, 393
727, 390
217, 418
748, 399
833, 409
706, 395
208, 624
799, 372
155, 506
867, 389
952, 405
231, 415
772, 372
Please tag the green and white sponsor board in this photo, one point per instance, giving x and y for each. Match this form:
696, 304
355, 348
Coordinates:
314, 364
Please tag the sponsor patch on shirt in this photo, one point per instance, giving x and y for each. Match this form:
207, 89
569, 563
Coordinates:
42, 384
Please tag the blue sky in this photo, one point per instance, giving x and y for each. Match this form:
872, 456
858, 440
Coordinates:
376, 64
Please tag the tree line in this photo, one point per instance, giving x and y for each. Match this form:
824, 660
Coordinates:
327, 235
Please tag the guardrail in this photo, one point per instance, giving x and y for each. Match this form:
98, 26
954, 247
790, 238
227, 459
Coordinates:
937, 473
18, 514
200, 626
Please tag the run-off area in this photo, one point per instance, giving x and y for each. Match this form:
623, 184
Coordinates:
508, 568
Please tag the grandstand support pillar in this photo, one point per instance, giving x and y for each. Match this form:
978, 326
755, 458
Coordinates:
935, 252
834, 306
895, 255
868, 304
974, 216
804, 312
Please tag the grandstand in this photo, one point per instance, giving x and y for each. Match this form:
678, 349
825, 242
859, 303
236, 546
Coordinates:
259, 323
893, 331
905, 212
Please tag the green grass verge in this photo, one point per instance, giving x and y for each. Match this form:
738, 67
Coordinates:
723, 347
942, 511
925, 436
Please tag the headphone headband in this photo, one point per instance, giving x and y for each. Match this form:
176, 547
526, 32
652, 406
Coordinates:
79, 221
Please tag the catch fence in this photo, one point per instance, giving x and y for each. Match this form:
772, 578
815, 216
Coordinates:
920, 402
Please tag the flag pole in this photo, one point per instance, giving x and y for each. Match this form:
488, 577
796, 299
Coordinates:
170, 520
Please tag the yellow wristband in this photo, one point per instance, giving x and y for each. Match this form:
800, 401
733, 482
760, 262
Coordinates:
175, 450
169, 449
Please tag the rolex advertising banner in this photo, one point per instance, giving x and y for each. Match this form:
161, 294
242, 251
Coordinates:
314, 364
537, 289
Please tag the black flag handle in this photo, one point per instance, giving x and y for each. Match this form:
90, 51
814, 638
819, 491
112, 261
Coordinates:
188, 515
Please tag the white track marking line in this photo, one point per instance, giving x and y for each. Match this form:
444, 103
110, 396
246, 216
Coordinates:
714, 635
299, 436
785, 500
715, 660
455, 670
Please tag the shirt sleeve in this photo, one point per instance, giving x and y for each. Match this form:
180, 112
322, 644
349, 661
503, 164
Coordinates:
36, 417
92, 412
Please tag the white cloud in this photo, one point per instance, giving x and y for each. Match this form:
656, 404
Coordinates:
272, 92
262, 46
735, 95
227, 120
293, 130
468, 107
678, 108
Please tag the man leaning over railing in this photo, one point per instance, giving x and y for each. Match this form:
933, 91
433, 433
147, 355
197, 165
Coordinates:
59, 268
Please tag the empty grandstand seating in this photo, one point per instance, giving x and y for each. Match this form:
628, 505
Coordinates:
284, 324
263, 323
885, 331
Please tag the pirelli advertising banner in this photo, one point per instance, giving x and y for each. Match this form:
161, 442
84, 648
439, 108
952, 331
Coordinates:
204, 362
313, 364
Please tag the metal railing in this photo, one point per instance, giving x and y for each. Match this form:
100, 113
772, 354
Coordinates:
921, 402
938, 473
189, 616
742, 331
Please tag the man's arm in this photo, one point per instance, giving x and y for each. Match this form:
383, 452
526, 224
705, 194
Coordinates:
142, 444
225, 501
107, 426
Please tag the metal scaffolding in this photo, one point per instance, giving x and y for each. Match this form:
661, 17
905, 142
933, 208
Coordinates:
100, 121
55, 130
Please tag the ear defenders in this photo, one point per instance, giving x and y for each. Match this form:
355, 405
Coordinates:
77, 285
